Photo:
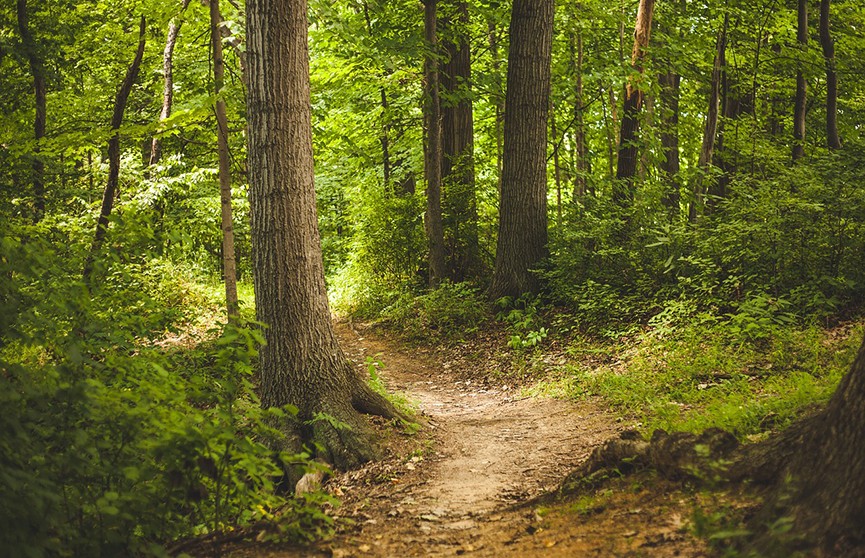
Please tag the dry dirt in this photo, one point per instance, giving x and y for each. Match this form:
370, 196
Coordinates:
464, 484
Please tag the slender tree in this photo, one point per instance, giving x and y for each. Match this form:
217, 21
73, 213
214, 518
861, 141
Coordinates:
833, 140
229, 266
801, 102
710, 129
522, 240
626, 170
37, 69
458, 166
114, 151
302, 363
433, 162
167, 79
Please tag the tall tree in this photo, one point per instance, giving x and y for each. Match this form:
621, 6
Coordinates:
433, 161
302, 363
167, 79
710, 129
229, 265
800, 104
37, 69
833, 140
626, 170
522, 240
458, 163
114, 151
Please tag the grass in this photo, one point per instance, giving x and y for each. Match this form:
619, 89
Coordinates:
701, 376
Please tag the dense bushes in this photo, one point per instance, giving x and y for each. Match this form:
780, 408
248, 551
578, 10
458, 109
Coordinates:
111, 443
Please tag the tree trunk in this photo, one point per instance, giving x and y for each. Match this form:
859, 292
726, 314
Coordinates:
229, 266
37, 69
669, 82
833, 141
626, 170
167, 80
800, 105
522, 239
434, 228
710, 131
458, 167
114, 152
302, 363
580, 127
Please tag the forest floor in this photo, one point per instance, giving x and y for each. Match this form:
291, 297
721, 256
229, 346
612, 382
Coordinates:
465, 484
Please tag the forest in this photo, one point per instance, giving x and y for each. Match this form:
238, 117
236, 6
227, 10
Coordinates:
432, 278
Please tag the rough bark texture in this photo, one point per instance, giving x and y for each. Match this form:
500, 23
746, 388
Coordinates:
433, 163
302, 363
522, 239
37, 69
800, 104
669, 82
114, 151
458, 165
229, 265
710, 131
626, 169
833, 140
167, 80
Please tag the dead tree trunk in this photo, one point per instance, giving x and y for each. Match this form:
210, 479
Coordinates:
833, 141
114, 152
626, 170
229, 265
167, 80
37, 69
433, 222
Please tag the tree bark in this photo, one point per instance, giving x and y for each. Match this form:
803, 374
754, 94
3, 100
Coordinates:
626, 170
229, 265
522, 239
800, 105
458, 167
167, 80
37, 69
434, 228
710, 130
669, 82
302, 363
114, 152
833, 141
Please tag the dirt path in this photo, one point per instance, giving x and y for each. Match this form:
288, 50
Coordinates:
492, 449
484, 450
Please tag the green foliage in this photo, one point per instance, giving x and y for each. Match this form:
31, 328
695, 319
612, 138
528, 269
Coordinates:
111, 444
523, 321
405, 406
452, 311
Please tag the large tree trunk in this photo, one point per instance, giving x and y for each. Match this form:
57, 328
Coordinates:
302, 363
626, 170
458, 165
229, 265
522, 240
833, 141
167, 80
710, 130
800, 104
114, 151
433, 163
37, 69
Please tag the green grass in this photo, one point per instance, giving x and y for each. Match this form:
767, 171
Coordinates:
701, 376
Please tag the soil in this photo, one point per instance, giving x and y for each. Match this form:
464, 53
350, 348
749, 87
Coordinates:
466, 483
